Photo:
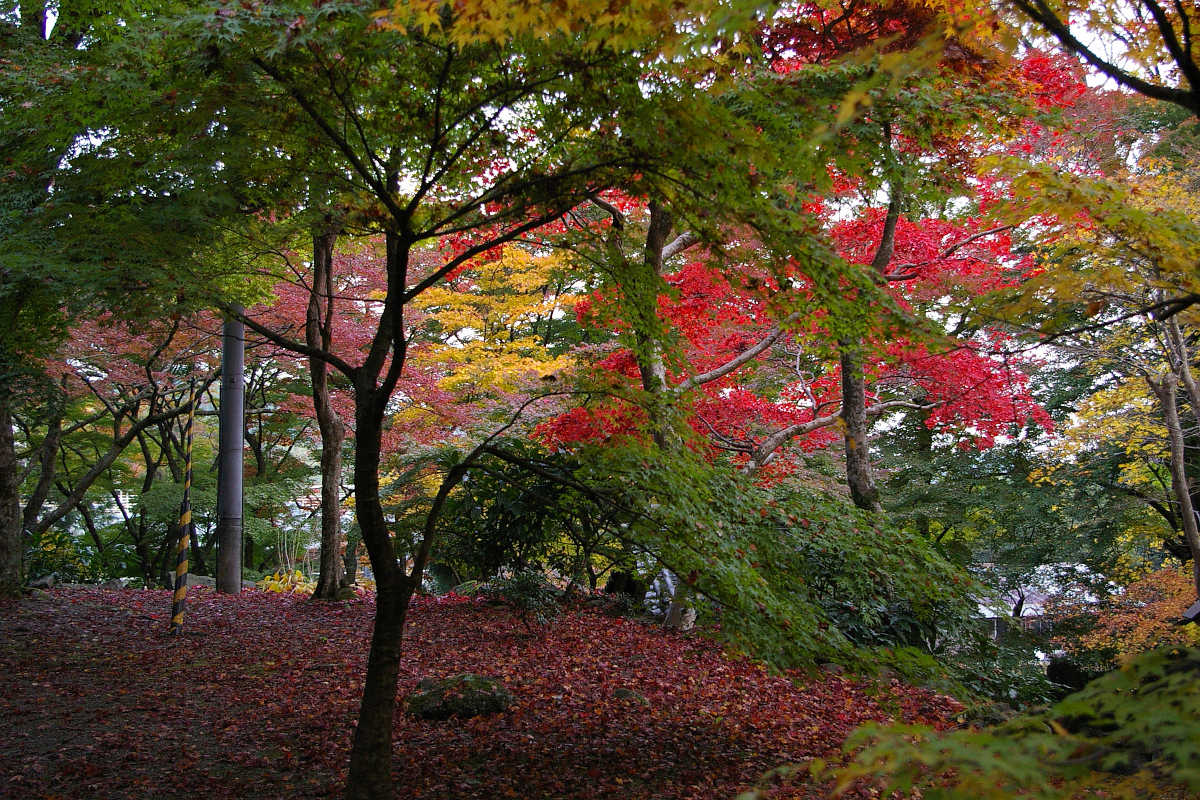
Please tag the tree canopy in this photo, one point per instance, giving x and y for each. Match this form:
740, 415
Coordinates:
841, 323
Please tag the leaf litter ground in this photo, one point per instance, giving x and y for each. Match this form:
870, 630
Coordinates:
259, 697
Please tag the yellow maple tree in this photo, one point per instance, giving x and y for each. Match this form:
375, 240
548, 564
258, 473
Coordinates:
492, 328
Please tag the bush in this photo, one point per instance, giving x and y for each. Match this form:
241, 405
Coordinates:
527, 592
287, 582
506, 515
462, 695
1130, 733
796, 577
56, 552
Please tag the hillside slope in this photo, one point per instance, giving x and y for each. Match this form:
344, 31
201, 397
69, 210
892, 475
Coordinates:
259, 698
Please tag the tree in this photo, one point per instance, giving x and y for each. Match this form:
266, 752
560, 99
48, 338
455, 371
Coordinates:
1122, 244
1143, 617
752, 384
502, 321
417, 161
118, 387
1151, 43
88, 216
1154, 43
723, 358
32, 313
318, 334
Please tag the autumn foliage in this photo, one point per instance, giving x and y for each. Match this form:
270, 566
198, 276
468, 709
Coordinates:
1144, 616
593, 286
258, 700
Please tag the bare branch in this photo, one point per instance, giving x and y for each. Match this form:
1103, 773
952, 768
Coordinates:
743, 357
681, 243
288, 344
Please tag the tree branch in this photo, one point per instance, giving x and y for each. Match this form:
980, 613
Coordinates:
744, 357
104, 462
336, 139
681, 243
289, 344
1040, 12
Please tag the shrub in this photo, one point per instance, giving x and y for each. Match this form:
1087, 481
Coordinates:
1129, 733
287, 582
528, 593
56, 552
462, 695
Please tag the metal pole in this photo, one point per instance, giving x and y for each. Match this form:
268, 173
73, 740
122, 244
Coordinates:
185, 521
229, 477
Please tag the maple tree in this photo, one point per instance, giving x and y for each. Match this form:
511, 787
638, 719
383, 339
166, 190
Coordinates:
330, 299
1118, 436
746, 367
110, 452
1144, 47
1119, 306
1155, 58
499, 322
336, 299
318, 334
1142, 617
452, 184
754, 382
119, 386
90, 217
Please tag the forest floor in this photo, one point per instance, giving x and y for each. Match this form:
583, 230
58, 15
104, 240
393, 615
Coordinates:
259, 696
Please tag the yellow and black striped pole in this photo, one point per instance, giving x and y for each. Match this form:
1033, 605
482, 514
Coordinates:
185, 520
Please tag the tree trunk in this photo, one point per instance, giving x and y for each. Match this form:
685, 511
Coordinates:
859, 476
650, 358
370, 775
1182, 362
350, 560
11, 530
318, 331
1182, 365
1164, 388
164, 558
645, 299
47, 461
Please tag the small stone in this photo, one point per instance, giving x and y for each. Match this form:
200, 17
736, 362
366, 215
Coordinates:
44, 582
625, 693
